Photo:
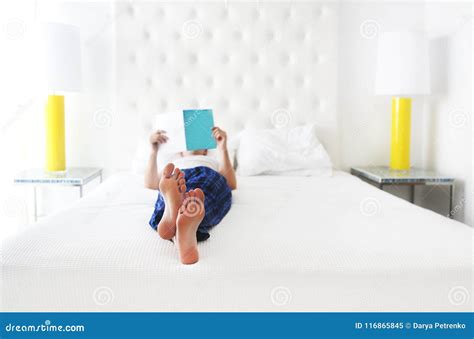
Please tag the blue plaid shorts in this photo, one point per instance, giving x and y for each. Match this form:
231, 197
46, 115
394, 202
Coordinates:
217, 202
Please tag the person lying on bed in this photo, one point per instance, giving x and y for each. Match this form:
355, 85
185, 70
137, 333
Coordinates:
195, 193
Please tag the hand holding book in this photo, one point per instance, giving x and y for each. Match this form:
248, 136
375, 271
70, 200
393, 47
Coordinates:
221, 138
157, 138
188, 130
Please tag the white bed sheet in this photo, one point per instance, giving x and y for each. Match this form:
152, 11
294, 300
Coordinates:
287, 244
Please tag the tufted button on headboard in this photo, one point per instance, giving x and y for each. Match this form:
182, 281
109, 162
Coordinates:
257, 64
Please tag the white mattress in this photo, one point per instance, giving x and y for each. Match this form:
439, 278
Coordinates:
287, 244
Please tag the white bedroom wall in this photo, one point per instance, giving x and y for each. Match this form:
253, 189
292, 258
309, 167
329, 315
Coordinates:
448, 119
365, 129
16, 115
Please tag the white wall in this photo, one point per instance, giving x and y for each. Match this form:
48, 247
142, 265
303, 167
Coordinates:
18, 103
439, 141
448, 119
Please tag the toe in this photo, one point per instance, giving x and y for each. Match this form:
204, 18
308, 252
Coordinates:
176, 173
168, 170
182, 188
181, 182
192, 194
199, 194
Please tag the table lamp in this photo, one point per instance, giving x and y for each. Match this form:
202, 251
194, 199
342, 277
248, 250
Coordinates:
402, 71
60, 56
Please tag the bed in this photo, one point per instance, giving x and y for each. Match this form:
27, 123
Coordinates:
288, 244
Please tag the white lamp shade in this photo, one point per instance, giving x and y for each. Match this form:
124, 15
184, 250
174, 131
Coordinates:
60, 57
402, 64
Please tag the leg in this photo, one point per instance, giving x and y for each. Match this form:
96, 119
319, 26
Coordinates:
451, 196
190, 216
35, 207
172, 186
412, 194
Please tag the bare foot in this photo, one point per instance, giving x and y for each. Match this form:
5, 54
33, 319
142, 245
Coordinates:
172, 186
190, 216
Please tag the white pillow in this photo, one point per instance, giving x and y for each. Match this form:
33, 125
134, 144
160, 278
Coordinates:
142, 155
285, 151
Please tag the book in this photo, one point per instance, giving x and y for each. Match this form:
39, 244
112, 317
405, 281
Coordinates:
187, 130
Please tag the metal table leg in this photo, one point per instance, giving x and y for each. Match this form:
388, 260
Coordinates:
451, 196
35, 206
412, 194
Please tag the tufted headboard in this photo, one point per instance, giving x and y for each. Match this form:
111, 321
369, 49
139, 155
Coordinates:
262, 64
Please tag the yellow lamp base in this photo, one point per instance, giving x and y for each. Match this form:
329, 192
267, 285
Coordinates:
55, 134
401, 126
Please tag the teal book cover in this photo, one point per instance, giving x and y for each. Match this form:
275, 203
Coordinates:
198, 124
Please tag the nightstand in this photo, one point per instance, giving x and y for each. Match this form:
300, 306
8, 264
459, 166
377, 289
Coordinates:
381, 176
74, 176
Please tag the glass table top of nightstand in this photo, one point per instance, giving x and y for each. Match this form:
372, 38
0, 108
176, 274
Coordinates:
72, 176
385, 175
